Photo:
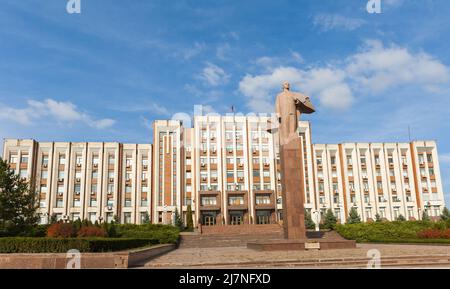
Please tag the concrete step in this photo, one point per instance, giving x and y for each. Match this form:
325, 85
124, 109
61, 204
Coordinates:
224, 240
439, 261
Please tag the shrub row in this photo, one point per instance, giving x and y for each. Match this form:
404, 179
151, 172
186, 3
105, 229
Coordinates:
434, 234
59, 245
380, 231
166, 234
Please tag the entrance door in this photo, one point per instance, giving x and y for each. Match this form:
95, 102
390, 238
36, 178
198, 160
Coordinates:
209, 219
236, 218
262, 217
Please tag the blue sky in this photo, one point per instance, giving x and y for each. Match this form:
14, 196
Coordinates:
105, 74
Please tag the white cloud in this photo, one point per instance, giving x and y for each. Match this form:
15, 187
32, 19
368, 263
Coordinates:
328, 22
64, 112
147, 123
378, 67
214, 75
297, 56
223, 50
374, 68
190, 52
269, 63
21, 116
325, 83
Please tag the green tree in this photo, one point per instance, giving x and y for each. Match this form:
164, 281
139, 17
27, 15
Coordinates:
445, 216
330, 220
53, 219
146, 219
378, 218
116, 219
353, 217
309, 223
189, 220
178, 220
18, 203
425, 216
400, 218
77, 224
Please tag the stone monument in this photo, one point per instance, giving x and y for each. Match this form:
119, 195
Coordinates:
289, 107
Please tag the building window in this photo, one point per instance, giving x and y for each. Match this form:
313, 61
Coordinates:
127, 202
319, 161
59, 203
209, 201
93, 217
363, 160
110, 203
23, 174
13, 159
390, 159
44, 189
24, 159
76, 203
383, 212
109, 217
263, 199
235, 200
62, 159
349, 160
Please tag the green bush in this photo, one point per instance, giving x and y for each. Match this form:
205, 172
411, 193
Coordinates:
330, 220
382, 231
53, 245
166, 234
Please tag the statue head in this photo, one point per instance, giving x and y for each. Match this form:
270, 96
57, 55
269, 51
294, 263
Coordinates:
286, 86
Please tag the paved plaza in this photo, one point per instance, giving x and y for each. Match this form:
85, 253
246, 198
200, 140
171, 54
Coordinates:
241, 257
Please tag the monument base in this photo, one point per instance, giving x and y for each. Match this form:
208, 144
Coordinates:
301, 244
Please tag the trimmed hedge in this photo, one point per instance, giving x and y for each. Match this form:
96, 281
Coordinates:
414, 241
166, 234
386, 231
60, 245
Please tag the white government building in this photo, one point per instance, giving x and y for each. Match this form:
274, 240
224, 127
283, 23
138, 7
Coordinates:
227, 169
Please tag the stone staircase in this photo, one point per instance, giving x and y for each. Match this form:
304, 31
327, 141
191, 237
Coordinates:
418, 261
231, 236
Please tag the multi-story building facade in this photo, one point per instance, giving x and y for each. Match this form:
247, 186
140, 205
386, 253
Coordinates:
226, 168
94, 181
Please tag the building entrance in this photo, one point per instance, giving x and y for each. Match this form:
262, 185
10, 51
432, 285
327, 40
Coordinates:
209, 218
263, 217
236, 217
